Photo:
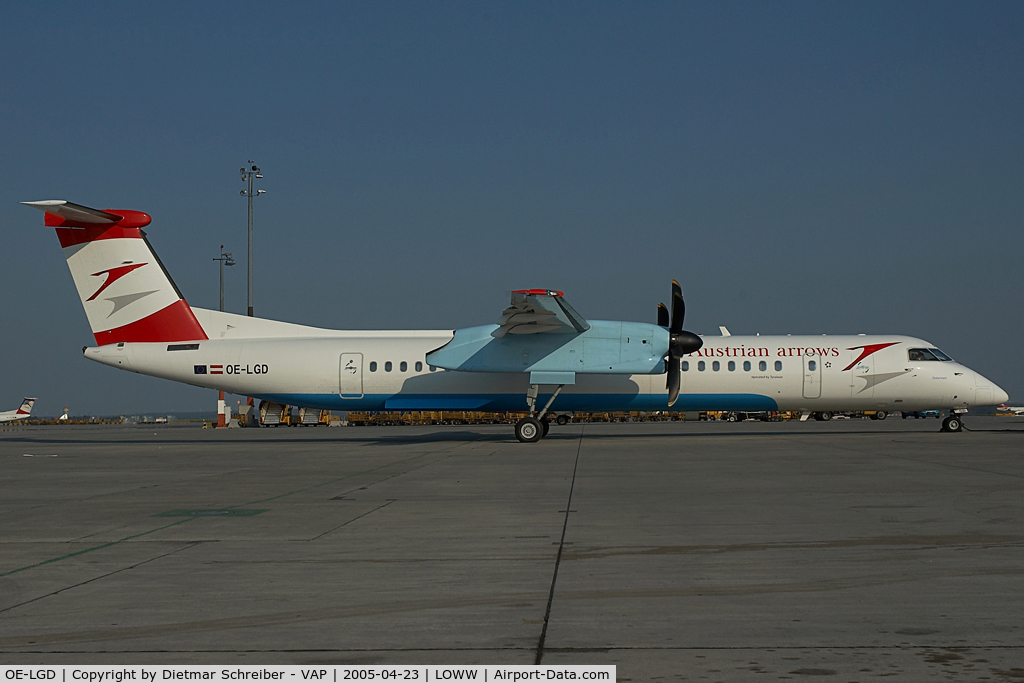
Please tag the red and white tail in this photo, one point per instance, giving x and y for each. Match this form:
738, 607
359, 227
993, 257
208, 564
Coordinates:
125, 290
26, 407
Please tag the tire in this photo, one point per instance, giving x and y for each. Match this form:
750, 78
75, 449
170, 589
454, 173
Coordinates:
881, 415
952, 424
826, 416
529, 430
732, 417
545, 427
562, 420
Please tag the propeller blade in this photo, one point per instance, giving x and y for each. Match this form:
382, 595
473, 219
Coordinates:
678, 309
662, 315
672, 381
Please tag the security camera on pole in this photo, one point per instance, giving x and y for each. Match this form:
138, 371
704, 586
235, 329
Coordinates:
248, 173
225, 260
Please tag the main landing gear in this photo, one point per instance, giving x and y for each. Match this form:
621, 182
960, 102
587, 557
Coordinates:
532, 429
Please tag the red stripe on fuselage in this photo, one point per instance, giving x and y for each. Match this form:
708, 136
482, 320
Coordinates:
175, 323
866, 351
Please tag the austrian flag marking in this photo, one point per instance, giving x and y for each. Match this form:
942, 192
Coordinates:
216, 369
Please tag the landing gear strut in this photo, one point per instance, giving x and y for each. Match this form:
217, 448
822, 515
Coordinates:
534, 428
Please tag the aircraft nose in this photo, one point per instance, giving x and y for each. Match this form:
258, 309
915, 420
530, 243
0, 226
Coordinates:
999, 396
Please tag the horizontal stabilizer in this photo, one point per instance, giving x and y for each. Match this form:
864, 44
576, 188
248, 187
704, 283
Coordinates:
75, 213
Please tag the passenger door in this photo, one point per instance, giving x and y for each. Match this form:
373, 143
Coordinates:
350, 375
812, 377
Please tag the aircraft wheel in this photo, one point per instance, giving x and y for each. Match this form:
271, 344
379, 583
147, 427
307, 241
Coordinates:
952, 424
826, 416
562, 420
881, 415
545, 427
529, 430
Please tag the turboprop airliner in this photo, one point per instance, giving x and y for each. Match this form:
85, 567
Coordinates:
22, 413
542, 356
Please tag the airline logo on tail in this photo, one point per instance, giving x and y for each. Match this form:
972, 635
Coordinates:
113, 275
21, 413
146, 307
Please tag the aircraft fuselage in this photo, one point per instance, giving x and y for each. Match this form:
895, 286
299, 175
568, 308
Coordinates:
390, 371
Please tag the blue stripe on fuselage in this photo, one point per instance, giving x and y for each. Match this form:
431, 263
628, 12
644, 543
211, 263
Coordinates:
517, 402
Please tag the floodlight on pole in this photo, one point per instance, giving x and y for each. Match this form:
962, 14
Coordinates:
247, 174
225, 259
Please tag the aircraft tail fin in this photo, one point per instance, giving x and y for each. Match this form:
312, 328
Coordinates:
127, 293
26, 407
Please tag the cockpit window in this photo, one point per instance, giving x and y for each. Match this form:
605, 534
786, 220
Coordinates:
927, 354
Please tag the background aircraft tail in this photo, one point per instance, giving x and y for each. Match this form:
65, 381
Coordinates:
26, 406
127, 294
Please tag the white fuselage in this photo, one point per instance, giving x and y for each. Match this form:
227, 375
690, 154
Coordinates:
388, 370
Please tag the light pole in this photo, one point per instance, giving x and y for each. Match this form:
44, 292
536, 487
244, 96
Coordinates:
247, 175
225, 260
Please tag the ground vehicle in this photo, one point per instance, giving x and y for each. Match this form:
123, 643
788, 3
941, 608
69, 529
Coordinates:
922, 413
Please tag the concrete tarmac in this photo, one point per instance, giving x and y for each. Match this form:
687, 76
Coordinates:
851, 550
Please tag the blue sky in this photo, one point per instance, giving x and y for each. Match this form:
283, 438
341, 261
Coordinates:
799, 167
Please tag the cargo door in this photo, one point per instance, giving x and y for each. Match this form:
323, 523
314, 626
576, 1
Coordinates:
350, 375
812, 377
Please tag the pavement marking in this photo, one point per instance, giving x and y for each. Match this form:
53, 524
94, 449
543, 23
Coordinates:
558, 557
97, 578
231, 507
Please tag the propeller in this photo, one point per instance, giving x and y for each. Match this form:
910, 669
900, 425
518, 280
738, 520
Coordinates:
680, 342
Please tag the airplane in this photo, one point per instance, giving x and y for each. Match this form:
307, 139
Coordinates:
21, 413
1015, 410
543, 356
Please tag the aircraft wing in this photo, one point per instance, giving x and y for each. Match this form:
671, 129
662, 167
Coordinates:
536, 311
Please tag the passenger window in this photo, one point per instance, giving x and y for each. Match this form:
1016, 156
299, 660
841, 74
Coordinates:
746, 366
812, 365
732, 366
716, 366
701, 366
403, 366
419, 366
686, 365
778, 366
373, 366
387, 366
762, 366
